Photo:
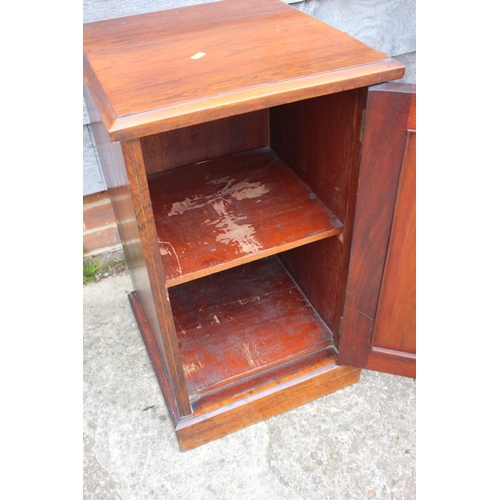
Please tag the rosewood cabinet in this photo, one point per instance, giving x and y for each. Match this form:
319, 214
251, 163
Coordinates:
379, 323
263, 186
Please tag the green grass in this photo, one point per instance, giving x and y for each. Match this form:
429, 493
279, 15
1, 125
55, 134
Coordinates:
91, 268
108, 264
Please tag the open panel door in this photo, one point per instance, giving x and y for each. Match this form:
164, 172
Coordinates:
379, 320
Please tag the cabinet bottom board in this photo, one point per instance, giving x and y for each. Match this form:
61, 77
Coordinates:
252, 400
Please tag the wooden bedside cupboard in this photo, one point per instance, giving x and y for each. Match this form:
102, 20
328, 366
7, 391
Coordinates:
262, 174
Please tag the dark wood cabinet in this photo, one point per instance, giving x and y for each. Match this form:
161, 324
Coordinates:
245, 158
379, 323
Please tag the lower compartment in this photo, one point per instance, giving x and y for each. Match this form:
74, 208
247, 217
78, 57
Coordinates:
242, 321
251, 345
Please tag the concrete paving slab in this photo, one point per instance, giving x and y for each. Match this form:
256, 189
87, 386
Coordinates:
357, 443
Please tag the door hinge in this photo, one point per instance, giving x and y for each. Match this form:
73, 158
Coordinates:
362, 129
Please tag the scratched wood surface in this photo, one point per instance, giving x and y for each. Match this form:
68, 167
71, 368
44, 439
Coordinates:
242, 321
385, 25
302, 384
281, 373
223, 58
253, 398
221, 213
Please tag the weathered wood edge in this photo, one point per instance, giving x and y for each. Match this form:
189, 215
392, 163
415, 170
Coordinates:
385, 360
149, 240
222, 106
252, 99
94, 88
178, 280
154, 357
260, 404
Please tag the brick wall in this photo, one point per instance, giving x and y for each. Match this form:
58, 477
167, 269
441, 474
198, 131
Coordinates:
100, 233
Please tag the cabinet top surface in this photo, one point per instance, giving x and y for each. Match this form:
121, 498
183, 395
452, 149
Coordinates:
163, 70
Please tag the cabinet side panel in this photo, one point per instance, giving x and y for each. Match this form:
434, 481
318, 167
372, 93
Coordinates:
111, 157
320, 139
149, 241
205, 141
124, 186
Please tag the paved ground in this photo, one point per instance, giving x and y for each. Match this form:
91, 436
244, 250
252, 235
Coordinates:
358, 443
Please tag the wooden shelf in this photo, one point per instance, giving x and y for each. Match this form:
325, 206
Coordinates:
240, 322
218, 214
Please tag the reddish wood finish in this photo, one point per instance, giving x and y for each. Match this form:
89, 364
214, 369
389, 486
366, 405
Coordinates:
396, 315
143, 78
275, 375
320, 139
128, 190
252, 147
115, 173
379, 318
154, 355
206, 141
243, 207
300, 387
149, 241
242, 321
254, 399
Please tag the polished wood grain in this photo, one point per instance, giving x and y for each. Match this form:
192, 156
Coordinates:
115, 173
320, 139
145, 80
145, 329
149, 242
265, 402
396, 312
234, 131
127, 186
250, 400
239, 322
205, 141
381, 279
225, 212
239, 389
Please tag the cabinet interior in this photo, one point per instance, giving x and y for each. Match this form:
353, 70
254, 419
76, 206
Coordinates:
253, 215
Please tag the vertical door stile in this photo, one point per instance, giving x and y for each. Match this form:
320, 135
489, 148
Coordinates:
378, 330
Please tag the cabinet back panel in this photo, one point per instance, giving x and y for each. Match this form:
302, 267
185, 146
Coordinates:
205, 141
320, 139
